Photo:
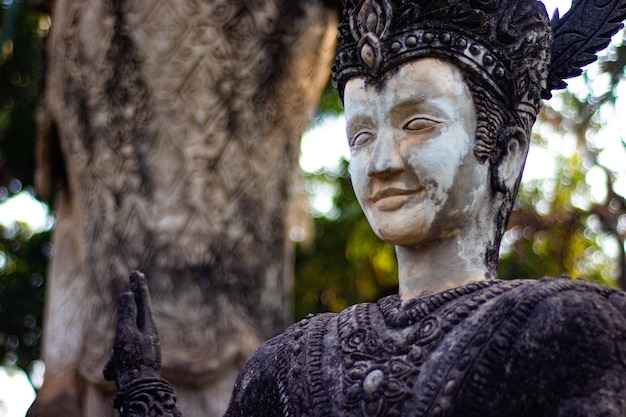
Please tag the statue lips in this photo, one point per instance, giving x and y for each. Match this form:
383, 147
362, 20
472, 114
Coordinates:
392, 198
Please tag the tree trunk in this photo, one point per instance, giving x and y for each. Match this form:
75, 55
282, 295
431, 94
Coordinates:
178, 124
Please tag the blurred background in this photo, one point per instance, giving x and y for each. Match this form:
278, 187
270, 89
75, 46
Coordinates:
570, 216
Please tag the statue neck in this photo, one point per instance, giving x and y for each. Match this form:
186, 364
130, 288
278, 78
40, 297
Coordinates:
444, 264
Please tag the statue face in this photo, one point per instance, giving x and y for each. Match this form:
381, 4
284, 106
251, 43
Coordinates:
412, 163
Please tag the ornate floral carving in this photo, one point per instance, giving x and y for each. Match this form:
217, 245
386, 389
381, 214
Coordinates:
147, 397
381, 366
378, 388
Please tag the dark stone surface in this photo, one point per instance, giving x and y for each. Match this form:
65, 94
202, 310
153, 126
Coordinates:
136, 358
555, 347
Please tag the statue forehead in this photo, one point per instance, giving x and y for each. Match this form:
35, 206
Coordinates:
418, 80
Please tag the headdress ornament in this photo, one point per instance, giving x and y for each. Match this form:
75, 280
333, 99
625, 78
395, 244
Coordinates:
506, 44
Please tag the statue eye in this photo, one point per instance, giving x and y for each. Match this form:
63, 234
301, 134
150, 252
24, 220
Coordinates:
362, 138
421, 123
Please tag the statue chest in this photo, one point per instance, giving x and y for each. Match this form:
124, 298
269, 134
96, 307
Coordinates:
385, 360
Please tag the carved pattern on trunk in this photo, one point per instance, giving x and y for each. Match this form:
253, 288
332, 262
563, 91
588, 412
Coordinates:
180, 125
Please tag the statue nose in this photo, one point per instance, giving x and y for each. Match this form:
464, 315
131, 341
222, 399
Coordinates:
385, 160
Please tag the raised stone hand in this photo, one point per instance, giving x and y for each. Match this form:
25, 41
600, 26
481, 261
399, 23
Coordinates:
135, 361
136, 350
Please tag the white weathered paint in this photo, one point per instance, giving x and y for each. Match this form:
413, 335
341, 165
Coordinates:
416, 176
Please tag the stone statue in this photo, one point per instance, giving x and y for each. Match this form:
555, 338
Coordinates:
440, 98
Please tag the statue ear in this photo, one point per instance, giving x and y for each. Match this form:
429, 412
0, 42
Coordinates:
506, 168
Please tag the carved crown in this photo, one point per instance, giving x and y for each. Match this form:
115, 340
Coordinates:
506, 44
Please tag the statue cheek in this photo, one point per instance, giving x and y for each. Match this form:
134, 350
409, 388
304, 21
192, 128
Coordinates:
360, 183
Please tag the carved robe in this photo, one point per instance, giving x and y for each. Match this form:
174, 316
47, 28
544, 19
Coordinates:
555, 347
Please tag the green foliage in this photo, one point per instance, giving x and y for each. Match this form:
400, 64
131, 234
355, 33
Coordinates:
574, 222
330, 102
549, 235
21, 53
23, 262
23, 255
346, 263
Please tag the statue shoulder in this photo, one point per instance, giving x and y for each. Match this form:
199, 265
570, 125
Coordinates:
571, 347
561, 316
255, 392
575, 315
556, 305
258, 391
